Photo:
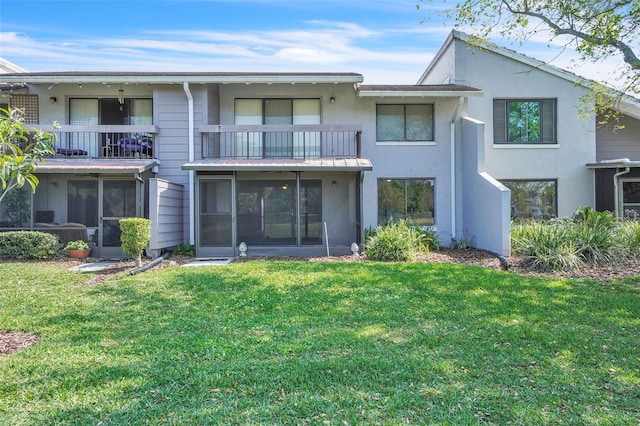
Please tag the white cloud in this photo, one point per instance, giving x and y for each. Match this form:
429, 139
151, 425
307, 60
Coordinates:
320, 46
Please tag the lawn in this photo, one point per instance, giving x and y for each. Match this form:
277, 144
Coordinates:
319, 343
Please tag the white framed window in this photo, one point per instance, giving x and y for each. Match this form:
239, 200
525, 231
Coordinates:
278, 144
411, 199
404, 123
536, 199
524, 121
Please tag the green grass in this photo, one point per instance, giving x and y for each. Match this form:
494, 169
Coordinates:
319, 343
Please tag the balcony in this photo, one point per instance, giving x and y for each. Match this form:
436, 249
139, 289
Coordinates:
104, 141
280, 141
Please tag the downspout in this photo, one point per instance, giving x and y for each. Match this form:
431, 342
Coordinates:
452, 156
616, 197
192, 201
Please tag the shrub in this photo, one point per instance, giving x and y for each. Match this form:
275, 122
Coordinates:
630, 236
395, 242
548, 245
28, 245
135, 235
184, 250
77, 245
429, 240
589, 237
461, 244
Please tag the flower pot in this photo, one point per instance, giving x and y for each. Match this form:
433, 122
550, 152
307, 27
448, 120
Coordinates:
79, 254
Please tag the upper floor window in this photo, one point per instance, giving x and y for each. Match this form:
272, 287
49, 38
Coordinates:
86, 111
524, 121
404, 123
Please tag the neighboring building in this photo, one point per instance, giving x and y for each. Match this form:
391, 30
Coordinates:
295, 163
537, 145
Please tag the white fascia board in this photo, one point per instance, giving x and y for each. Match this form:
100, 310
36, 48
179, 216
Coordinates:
180, 79
418, 94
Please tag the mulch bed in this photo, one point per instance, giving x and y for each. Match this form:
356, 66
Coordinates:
11, 341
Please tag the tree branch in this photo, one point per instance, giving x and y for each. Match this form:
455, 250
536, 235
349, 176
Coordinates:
628, 54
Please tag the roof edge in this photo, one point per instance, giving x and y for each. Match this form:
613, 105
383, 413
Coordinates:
178, 78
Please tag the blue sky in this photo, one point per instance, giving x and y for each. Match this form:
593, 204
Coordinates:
384, 40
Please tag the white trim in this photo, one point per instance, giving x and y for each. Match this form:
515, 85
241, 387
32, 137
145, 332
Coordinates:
419, 93
526, 146
406, 143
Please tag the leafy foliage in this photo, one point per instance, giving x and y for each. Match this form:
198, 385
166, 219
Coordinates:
589, 237
77, 245
398, 242
28, 245
184, 250
597, 29
135, 235
20, 151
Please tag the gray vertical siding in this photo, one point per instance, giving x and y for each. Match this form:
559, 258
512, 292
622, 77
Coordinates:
165, 212
619, 143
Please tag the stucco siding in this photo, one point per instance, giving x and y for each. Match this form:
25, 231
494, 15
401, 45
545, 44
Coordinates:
502, 77
485, 202
407, 161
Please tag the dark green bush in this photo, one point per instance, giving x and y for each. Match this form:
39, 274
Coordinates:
28, 245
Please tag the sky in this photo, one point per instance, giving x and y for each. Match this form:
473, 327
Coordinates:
388, 41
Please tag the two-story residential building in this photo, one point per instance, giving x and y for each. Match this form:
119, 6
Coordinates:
303, 163
537, 144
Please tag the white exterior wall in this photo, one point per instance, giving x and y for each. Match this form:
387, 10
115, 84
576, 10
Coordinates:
486, 208
409, 160
502, 77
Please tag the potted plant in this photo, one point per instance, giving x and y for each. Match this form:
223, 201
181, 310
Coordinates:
78, 249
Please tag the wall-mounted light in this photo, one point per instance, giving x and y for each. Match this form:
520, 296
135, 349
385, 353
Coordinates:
285, 186
50, 86
121, 96
332, 99
334, 183
53, 99
80, 85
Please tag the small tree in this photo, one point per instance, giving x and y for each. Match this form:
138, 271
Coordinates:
20, 151
135, 236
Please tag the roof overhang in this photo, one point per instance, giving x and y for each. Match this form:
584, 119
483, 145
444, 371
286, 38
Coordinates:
418, 91
178, 78
620, 163
281, 165
58, 165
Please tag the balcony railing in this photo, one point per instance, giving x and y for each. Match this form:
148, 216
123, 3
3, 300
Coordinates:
281, 141
104, 141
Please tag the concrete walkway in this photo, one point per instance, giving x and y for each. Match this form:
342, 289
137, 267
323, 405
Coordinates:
94, 266
218, 261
